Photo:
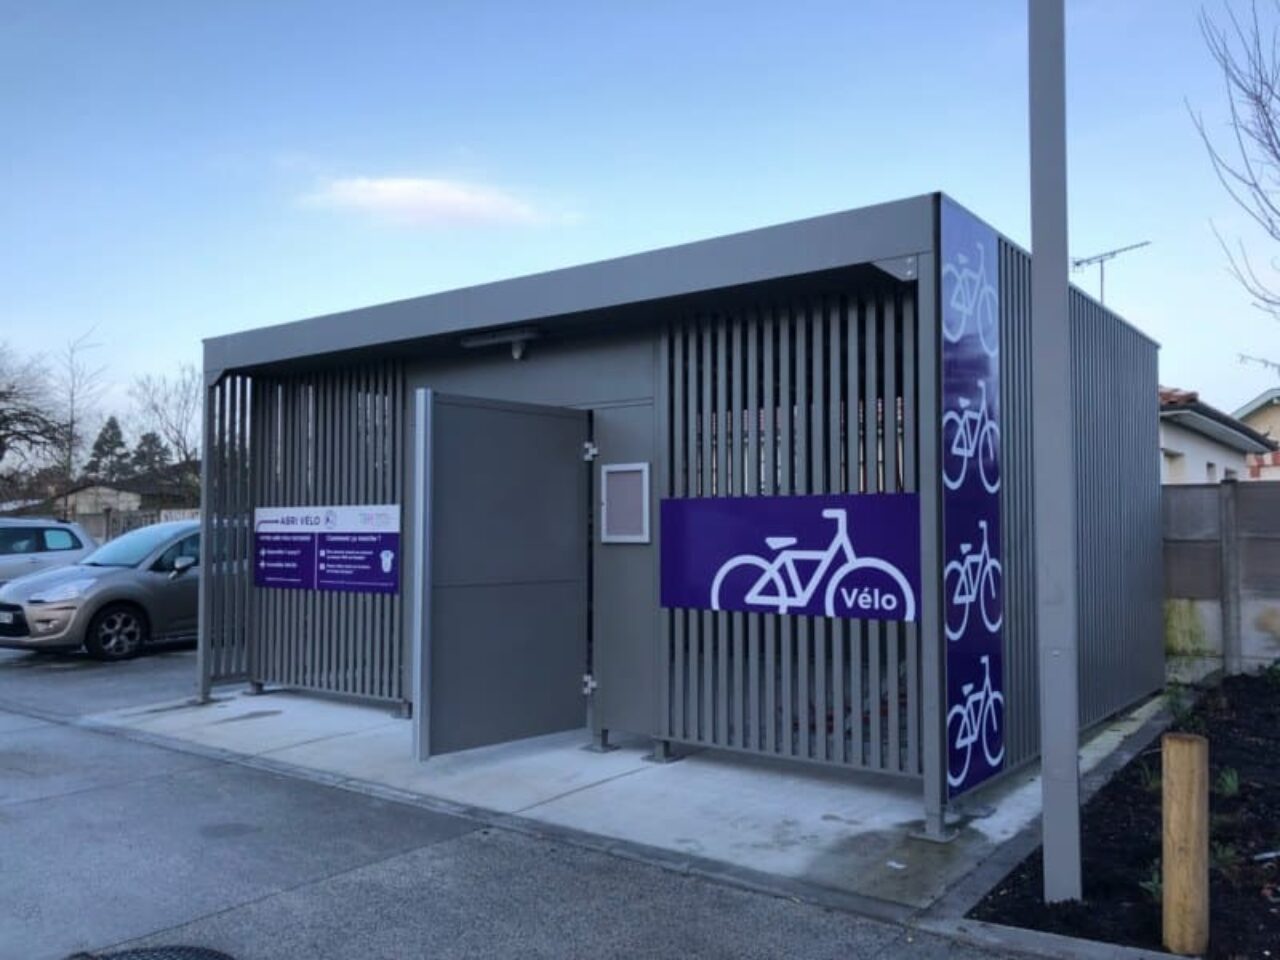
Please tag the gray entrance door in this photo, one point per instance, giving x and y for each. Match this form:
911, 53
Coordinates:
503, 578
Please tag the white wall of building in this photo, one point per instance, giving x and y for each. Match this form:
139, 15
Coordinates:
1189, 457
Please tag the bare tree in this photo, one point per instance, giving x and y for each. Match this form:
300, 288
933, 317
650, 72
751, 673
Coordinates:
78, 384
171, 408
28, 430
1246, 49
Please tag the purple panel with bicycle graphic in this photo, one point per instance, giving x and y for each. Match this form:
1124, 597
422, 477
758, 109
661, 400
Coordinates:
854, 556
972, 582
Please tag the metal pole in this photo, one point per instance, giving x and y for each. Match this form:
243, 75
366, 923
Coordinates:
420, 585
204, 636
1102, 283
1054, 459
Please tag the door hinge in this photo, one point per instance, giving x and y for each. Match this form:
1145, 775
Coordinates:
589, 684
589, 451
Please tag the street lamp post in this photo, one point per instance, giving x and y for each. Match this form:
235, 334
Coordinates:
1054, 458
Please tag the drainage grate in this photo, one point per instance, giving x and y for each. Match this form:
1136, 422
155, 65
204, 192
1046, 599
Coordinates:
157, 953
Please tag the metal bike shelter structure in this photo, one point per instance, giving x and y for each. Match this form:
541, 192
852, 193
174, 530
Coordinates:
796, 359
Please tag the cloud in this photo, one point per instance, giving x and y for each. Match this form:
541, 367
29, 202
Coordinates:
423, 201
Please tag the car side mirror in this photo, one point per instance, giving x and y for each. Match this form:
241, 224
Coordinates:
181, 565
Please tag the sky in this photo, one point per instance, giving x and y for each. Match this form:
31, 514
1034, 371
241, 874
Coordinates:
176, 171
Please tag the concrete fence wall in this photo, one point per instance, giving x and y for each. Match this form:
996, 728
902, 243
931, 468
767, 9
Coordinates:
1222, 577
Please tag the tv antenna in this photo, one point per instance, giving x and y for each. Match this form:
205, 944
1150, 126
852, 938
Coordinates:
1079, 263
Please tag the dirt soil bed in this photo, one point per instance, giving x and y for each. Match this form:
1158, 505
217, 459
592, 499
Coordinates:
1120, 833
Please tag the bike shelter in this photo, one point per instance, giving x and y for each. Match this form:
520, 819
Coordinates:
559, 466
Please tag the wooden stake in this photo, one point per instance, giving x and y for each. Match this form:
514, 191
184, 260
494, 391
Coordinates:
1185, 884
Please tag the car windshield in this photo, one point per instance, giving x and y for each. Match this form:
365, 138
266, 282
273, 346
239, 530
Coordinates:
132, 548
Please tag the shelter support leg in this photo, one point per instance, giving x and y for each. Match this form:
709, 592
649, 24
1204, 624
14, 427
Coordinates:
600, 741
663, 752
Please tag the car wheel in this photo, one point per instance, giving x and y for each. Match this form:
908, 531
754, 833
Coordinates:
118, 631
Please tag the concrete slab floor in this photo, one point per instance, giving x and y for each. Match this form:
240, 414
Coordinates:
827, 828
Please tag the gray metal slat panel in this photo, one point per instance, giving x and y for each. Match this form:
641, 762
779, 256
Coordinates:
706, 712
680, 460
889, 433
835, 401
226, 599
239, 565
821, 653
284, 598
855, 322
691, 406
737, 402
721, 437
786, 455
770, 625
769, 440
721, 430
858, 688
365, 657
870, 412
911, 483
320, 459
817, 402
786, 734
800, 436
753, 411
707, 485
839, 681
214, 652
301, 598
378, 495
736, 706
665, 491
786, 461
752, 736
804, 689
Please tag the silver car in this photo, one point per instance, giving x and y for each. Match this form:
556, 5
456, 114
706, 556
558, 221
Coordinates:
140, 587
30, 545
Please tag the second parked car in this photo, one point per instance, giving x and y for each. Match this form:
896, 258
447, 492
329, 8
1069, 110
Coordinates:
32, 545
140, 587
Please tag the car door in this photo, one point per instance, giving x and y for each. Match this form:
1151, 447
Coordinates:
173, 598
20, 552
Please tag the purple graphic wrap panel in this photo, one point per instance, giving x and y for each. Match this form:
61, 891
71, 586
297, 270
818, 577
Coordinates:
855, 556
354, 549
972, 580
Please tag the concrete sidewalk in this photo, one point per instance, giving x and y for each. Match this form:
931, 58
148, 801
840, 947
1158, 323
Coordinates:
108, 842
824, 829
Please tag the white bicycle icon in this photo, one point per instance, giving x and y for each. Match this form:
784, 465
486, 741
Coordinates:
779, 586
980, 718
973, 577
970, 434
972, 295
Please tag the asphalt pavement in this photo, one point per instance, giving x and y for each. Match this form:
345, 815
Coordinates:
74, 684
106, 842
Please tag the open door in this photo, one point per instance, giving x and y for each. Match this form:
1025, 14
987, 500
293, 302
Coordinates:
502, 581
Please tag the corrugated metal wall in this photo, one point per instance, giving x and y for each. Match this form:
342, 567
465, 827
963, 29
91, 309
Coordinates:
322, 438
1115, 432
794, 398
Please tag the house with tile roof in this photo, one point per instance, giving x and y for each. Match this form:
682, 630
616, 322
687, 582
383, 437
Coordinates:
1201, 444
